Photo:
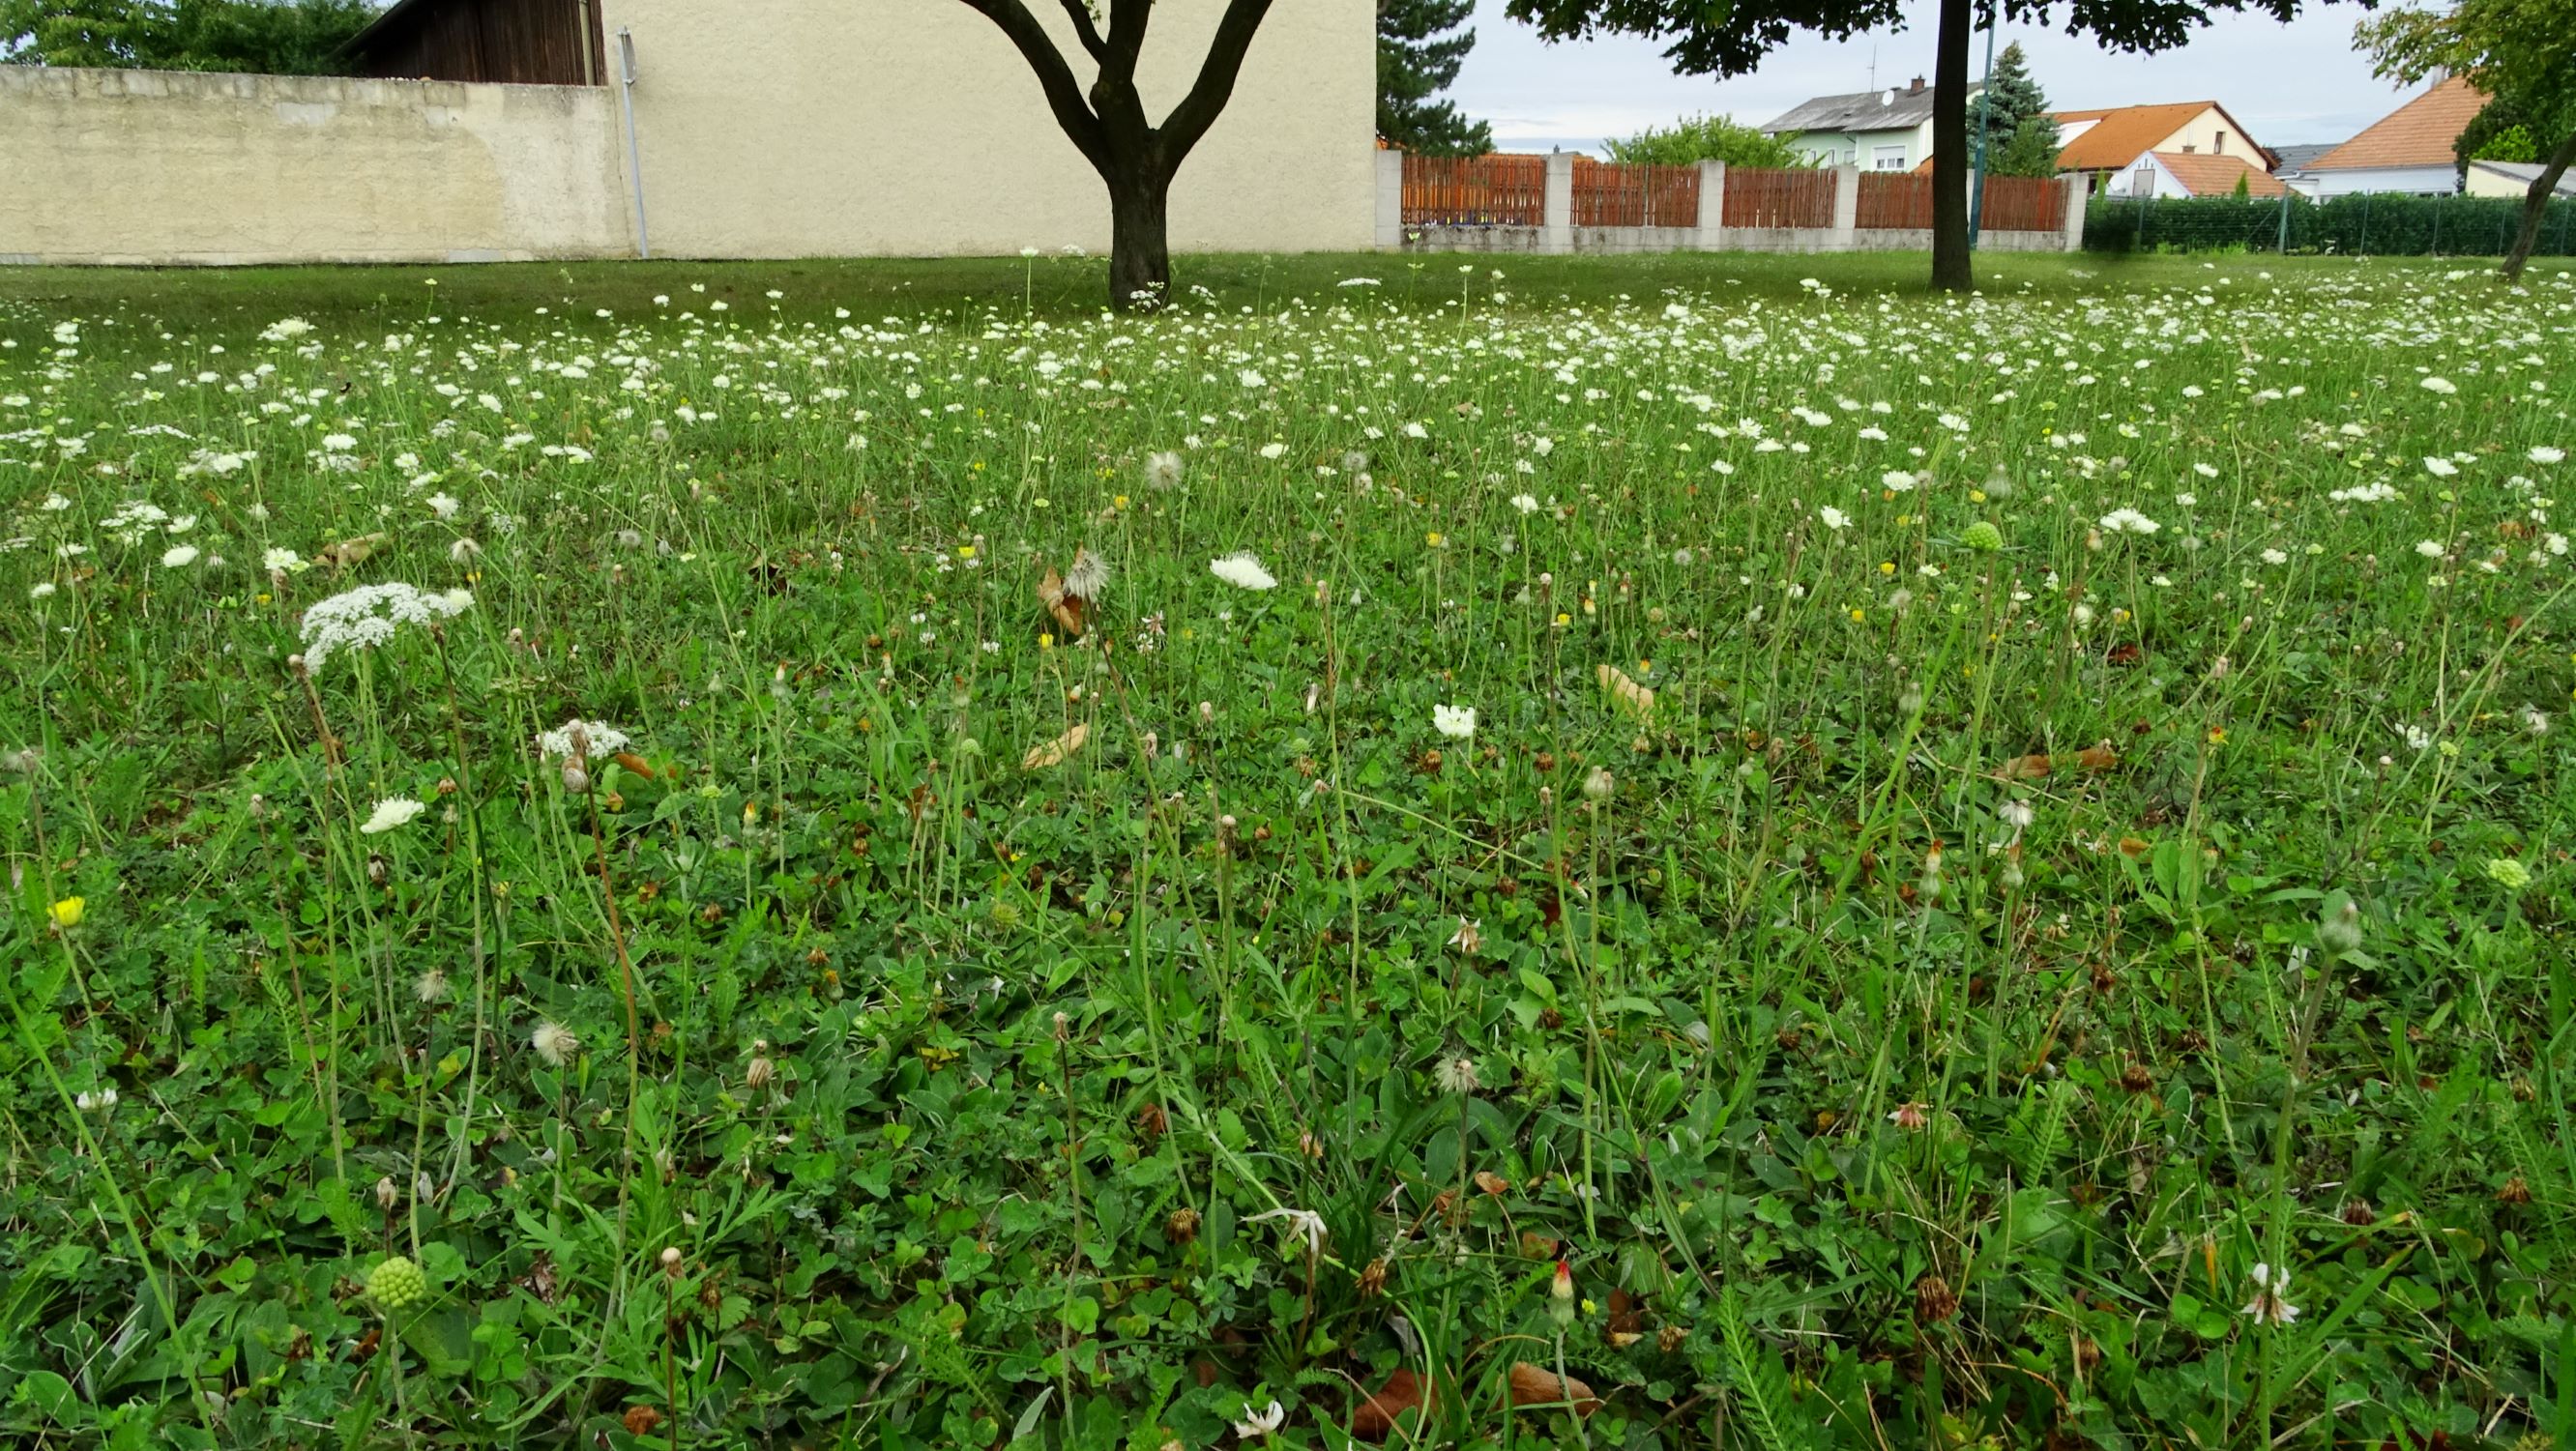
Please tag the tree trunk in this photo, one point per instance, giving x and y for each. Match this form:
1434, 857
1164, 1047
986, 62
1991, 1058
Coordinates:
1951, 267
1140, 254
2535, 205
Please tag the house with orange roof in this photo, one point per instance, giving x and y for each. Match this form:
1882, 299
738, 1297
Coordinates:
2106, 144
2410, 149
2188, 173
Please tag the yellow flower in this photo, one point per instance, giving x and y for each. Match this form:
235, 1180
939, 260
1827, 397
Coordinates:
1120, 501
965, 551
1887, 566
1858, 615
1046, 642
2217, 735
1433, 538
67, 912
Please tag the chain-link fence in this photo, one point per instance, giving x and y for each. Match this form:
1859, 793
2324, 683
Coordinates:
2387, 224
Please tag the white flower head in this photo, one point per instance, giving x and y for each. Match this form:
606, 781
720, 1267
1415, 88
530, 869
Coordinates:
2434, 383
1260, 1425
369, 616
1163, 470
2542, 453
2271, 1305
601, 738
1305, 1222
1243, 571
1834, 519
179, 556
1525, 503
1457, 722
2128, 521
1087, 576
2440, 468
391, 812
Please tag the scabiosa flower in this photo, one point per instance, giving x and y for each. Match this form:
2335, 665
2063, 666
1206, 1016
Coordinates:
1457, 722
2434, 383
1242, 570
1834, 519
2542, 453
2440, 468
2508, 873
555, 1043
1982, 537
179, 556
2429, 548
2128, 521
2271, 1305
391, 812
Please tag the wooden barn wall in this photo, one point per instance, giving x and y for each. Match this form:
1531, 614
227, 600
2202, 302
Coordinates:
522, 42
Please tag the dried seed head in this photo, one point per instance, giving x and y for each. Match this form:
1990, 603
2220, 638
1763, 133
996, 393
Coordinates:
1182, 1226
757, 1074
1934, 1300
575, 778
387, 1196
2359, 1214
2135, 1078
671, 1259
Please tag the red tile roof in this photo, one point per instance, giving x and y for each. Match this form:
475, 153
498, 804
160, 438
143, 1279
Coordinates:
2419, 133
2204, 175
2121, 134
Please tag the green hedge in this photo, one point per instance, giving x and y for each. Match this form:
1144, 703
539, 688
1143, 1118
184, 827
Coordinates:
2390, 224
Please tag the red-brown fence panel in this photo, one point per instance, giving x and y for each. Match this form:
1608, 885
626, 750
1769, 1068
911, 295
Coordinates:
1498, 190
1779, 197
1608, 194
1895, 201
2023, 204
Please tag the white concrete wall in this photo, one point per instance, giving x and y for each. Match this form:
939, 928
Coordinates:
100, 166
893, 127
2440, 180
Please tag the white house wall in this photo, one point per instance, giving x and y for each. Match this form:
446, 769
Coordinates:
2351, 180
840, 127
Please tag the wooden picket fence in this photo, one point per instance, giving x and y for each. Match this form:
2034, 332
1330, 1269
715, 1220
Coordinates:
1895, 201
1607, 194
1497, 190
2023, 204
1778, 197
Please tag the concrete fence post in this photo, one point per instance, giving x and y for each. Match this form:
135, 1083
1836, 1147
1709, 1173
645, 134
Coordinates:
1846, 208
2079, 189
1712, 206
1390, 198
1556, 234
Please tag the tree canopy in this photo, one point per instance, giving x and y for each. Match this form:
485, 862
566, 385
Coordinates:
1705, 138
2522, 54
1420, 46
259, 37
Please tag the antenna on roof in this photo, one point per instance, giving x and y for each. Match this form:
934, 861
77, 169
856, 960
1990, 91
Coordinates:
1873, 66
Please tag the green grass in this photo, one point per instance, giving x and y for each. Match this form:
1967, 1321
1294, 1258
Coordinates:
1910, 937
1056, 286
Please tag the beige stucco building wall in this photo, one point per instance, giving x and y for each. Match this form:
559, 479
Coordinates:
839, 127
2203, 134
102, 166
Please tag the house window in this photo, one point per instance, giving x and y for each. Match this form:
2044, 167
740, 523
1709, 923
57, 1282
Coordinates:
1887, 158
2221, 148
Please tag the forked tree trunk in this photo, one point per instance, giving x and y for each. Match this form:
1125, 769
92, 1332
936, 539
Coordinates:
2535, 205
1140, 253
1952, 268
1136, 159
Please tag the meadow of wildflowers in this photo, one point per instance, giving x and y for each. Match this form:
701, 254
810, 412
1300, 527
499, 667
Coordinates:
1737, 865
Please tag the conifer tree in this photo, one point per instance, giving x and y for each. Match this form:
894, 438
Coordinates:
1418, 57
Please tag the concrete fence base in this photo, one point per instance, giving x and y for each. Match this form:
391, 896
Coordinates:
1557, 234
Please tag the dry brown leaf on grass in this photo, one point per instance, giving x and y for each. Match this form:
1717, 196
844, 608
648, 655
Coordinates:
1066, 608
1055, 752
2024, 768
1532, 1386
1377, 1415
348, 551
1637, 698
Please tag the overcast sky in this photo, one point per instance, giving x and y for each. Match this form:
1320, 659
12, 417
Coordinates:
2286, 84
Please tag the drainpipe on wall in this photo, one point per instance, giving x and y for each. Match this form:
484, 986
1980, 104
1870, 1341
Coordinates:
634, 161
581, 19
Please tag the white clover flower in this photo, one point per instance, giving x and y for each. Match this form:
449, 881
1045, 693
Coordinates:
2271, 1304
1242, 570
1260, 1425
1457, 722
1305, 1222
2017, 814
391, 812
